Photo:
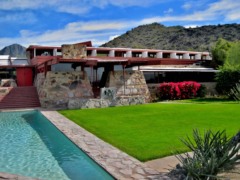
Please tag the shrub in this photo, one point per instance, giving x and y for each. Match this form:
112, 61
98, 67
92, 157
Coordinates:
226, 79
169, 91
235, 92
202, 91
213, 153
180, 90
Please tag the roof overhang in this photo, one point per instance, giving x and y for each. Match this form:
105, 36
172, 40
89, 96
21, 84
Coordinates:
16, 66
177, 68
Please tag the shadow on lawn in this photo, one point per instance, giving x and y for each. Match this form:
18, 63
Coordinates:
209, 100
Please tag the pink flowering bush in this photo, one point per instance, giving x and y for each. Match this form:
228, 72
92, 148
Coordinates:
179, 90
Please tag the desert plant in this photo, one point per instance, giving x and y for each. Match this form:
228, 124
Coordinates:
235, 92
213, 152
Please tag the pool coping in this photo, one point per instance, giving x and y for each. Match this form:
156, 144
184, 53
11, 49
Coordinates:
119, 164
116, 162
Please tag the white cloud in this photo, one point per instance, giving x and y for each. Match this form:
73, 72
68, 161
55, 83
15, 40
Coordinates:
191, 26
100, 31
170, 10
19, 4
113, 37
196, 4
96, 31
72, 6
97, 25
229, 10
127, 3
187, 6
233, 16
19, 18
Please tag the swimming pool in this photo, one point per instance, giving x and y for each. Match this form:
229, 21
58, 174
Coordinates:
32, 146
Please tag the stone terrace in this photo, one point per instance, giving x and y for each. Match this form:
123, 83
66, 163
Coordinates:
116, 162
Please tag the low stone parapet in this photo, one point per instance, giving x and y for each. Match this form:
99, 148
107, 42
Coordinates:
4, 91
84, 103
8, 83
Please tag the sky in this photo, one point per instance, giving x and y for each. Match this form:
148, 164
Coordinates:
57, 22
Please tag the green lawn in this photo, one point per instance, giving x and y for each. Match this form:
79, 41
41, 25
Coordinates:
153, 130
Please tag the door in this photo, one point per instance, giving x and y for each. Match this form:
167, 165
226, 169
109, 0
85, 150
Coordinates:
24, 76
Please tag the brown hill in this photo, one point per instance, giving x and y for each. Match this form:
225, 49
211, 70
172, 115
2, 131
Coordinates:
14, 50
157, 36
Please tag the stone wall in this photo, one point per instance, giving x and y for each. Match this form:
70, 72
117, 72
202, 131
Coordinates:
129, 84
83, 103
58, 88
6, 86
8, 83
120, 90
4, 91
74, 51
72, 90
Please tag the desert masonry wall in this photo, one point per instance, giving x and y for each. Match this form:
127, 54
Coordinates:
72, 90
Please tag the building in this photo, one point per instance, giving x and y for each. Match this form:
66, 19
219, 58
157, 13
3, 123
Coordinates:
71, 76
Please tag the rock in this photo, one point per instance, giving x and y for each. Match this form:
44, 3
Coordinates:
74, 51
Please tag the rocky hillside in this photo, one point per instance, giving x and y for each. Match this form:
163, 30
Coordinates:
157, 36
14, 50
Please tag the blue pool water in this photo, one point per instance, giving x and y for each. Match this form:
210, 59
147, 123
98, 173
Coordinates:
30, 145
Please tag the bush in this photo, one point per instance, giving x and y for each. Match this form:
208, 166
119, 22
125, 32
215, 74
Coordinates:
202, 91
213, 153
226, 79
235, 92
220, 52
179, 90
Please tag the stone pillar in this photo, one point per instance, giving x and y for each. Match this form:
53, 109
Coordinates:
208, 57
94, 52
173, 55
34, 52
55, 52
74, 51
145, 54
111, 53
159, 55
198, 56
186, 56
129, 54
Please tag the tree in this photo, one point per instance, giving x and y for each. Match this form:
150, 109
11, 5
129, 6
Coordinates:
227, 55
233, 55
220, 52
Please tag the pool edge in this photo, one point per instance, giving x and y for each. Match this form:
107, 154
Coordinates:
117, 163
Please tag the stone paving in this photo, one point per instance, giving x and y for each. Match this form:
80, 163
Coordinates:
117, 163
6, 176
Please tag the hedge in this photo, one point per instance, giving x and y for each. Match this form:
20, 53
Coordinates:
179, 90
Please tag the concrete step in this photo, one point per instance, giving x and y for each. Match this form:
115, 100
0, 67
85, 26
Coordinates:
20, 97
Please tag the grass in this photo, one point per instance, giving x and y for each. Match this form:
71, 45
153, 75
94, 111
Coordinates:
208, 100
153, 131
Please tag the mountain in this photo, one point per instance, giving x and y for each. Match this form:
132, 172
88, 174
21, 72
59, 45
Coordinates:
157, 36
14, 50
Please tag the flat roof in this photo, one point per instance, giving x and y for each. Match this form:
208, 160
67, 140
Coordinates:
144, 50
175, 68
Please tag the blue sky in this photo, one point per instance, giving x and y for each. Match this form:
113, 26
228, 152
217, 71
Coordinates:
57, 22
